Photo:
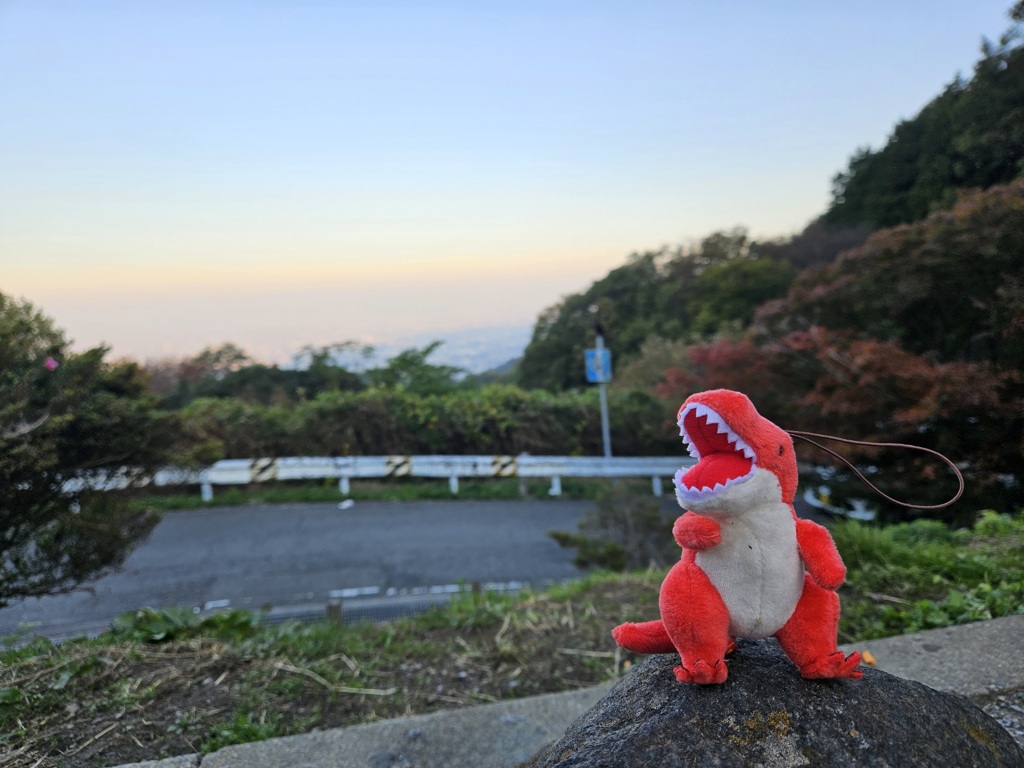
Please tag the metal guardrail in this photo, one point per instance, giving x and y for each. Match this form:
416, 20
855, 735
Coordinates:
347, 468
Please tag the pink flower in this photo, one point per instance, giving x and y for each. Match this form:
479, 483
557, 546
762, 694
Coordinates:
51, 364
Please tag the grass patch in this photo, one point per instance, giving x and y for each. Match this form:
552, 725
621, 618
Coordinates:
167, 683
396, 489
161, 684
922, 575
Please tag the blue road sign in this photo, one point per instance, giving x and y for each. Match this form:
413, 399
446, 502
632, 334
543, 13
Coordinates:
599, 365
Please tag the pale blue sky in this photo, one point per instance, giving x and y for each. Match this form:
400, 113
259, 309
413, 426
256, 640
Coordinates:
178, 174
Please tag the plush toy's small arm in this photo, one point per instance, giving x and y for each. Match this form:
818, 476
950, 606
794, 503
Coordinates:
819, 554
695, 532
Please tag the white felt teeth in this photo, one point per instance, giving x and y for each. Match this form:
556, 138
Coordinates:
687, 495
745, 449
711, 417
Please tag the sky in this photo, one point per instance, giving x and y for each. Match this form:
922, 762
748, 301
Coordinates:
175, 175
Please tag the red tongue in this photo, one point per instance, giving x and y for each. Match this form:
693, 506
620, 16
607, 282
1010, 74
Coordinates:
716, 468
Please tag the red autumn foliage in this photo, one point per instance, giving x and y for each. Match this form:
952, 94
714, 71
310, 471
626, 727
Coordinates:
730, 364
833, 382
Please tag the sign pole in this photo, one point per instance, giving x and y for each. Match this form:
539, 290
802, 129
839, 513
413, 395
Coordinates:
606, 435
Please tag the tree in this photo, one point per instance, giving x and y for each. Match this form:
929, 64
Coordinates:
66, 419
228, 372
215, 363
730, 364
324, 372
951, 285
969, 136
817, 245
553, 359
647, 369
877, 390
176, 380
727, 294
917, 336
693, 291
409, 371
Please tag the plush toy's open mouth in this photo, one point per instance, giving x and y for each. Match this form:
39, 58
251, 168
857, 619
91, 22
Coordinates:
723, 458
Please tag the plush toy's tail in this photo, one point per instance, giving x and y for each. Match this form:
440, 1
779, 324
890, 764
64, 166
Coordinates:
646, 637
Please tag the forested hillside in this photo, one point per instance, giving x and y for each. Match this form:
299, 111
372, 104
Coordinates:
685, 293
969, 136
913, 334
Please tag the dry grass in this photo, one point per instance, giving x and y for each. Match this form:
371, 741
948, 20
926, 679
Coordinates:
112, 700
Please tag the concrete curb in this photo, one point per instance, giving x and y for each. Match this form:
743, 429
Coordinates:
977, 660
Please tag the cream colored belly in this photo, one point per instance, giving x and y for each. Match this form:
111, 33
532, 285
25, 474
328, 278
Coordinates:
756, 569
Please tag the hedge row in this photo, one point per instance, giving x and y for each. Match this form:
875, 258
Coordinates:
491, 420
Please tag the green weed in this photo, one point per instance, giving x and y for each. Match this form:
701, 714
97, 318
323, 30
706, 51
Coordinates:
243, 728
149, 625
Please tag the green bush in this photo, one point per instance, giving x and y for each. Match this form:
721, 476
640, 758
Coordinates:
624, 530
65, 418
992, 523
922, 575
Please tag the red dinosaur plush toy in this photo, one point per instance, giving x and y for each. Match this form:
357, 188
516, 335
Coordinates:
750, 567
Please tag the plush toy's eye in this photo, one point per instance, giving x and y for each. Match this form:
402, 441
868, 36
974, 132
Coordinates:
780, 450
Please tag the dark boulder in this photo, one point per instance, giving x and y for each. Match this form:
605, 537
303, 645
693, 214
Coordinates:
765, 714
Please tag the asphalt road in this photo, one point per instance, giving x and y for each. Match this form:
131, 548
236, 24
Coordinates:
303, 555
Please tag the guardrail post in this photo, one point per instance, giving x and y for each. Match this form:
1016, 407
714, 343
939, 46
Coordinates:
656, 486
206, 492
334, 614
453, 484
556, 486
343, 485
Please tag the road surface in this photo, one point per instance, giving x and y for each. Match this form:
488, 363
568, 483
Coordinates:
291, 556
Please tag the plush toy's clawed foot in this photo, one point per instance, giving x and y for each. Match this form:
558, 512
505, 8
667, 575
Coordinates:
702, 673
731, 648
834, 665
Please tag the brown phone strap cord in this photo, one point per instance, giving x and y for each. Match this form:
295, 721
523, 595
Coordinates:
807, 437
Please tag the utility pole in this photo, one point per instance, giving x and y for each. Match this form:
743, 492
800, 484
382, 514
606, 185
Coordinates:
599, 371
606, 433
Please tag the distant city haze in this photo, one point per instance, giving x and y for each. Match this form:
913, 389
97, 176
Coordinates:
179, 175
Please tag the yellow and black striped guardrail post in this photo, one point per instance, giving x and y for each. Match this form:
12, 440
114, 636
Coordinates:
504, 466
398, 466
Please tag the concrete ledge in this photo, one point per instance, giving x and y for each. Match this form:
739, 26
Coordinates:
497, 735
489, 736
975, 660
182, 761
